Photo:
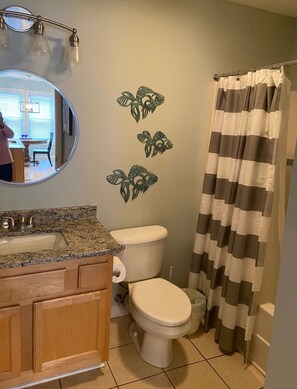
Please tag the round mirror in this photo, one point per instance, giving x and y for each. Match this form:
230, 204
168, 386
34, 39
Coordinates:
17, 24
43, 123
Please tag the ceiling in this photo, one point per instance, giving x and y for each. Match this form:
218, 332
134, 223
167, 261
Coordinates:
284, 7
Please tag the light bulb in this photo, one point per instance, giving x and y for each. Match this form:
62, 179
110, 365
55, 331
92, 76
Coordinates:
73, 55
39, 43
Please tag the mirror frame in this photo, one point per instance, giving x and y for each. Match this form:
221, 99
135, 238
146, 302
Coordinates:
76, 131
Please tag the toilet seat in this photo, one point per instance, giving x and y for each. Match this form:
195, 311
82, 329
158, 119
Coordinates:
161, 302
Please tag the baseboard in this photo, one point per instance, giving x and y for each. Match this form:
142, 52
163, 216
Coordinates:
57, 377
258, 367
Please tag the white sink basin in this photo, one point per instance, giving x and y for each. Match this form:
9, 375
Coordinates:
34, 242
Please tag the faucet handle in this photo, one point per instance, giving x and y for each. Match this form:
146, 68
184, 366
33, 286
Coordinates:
30, 222
5, 222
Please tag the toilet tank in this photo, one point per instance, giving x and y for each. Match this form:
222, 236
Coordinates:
144, 250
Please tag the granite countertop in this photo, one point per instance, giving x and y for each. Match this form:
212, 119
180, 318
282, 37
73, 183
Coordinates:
85, 237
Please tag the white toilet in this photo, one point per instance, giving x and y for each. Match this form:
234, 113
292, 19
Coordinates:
161, 310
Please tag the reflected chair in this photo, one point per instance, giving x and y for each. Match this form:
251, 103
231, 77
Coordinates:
46, 151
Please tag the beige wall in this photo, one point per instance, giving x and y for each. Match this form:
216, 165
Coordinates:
172, 46
291, 70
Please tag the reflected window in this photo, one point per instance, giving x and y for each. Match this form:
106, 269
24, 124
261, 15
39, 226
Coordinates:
34, 125
10, 108
41, 124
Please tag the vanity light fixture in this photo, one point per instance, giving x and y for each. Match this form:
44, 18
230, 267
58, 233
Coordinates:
21, 19
29, 105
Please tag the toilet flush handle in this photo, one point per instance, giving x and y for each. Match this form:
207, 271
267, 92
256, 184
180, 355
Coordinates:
116, 272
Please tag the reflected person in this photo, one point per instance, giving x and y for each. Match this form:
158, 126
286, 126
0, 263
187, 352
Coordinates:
6, 159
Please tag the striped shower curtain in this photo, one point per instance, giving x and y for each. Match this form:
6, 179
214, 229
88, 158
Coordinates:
235, 211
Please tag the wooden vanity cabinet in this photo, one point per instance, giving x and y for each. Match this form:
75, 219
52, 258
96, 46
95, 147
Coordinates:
54, 319
10, 343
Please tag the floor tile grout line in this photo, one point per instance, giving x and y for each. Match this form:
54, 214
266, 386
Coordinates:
120, 345
214, 357
197, 349
205, 358
219, 356
107, 363
169, 378
195, 363
187, 364
218, 374
141, 379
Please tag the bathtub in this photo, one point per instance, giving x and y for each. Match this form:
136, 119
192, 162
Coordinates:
261, 336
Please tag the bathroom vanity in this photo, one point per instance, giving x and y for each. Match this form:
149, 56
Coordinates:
55, 303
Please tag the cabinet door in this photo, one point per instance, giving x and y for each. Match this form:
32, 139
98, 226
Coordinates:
10, 343
71, 331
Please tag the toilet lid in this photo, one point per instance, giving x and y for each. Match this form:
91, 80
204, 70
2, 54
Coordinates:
161, 302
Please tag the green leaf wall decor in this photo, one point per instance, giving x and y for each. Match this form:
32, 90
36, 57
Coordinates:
145, 102
138, 180
158, 144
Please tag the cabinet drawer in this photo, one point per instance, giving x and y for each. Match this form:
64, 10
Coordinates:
19, 288
93, 276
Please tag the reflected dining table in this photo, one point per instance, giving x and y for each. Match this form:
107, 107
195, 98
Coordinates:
31, 141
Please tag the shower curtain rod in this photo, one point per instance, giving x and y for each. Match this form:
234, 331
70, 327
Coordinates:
216, 77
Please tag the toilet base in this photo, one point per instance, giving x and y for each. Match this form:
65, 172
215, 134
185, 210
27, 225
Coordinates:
154, 350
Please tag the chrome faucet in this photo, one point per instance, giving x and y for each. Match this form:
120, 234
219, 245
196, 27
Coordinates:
5, 222
22, 224
8, 222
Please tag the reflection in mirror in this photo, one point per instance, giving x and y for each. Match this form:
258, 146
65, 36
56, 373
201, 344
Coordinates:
18, 24
44, 126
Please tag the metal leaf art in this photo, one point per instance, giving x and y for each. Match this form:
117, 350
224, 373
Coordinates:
138, 180
158, 144
145, 102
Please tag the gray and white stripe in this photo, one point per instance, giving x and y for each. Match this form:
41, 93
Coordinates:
237, 198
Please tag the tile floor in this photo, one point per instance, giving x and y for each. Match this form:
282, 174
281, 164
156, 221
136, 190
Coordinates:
198, 364
39, 171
